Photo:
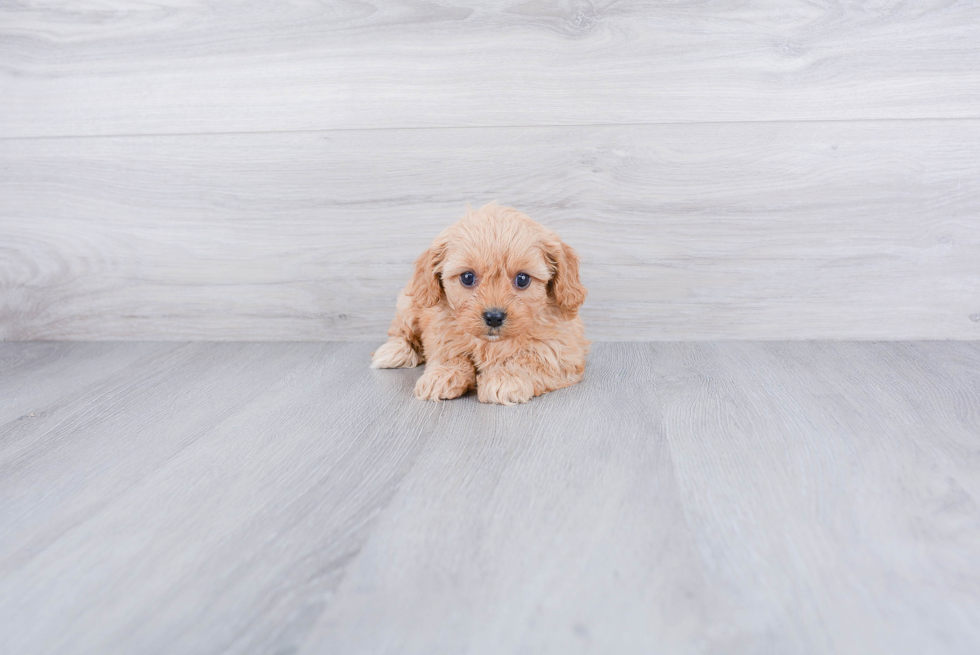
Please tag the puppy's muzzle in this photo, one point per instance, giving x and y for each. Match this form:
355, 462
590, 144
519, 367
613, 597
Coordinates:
494, 317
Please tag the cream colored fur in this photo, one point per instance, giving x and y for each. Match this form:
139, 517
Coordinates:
541, 345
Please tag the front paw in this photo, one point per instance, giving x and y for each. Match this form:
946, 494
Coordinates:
504, 388
441, 383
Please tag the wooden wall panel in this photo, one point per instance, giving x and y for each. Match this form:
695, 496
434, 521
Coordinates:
859, 230
193, 66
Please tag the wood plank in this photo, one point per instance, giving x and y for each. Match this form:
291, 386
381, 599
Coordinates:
550, 527
209, 503
836, 230
698, 497
196, 66
134, 435
833, 472
686, 497
36, 374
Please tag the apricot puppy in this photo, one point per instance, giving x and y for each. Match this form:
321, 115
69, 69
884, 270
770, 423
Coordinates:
493, 305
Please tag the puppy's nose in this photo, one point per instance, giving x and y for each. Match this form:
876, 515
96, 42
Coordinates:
494, 317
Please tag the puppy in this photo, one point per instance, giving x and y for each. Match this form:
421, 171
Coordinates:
493, 305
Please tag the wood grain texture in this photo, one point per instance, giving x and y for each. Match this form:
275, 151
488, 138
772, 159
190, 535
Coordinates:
122, 67
39, 373
202, 478
843, 230
686, 497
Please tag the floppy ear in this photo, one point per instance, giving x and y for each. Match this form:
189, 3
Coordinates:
565, 285
426, 285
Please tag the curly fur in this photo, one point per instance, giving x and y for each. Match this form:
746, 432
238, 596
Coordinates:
541, 345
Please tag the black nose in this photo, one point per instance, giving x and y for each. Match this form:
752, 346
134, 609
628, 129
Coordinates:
494, 317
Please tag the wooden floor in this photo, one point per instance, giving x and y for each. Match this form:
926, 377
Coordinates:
805, 497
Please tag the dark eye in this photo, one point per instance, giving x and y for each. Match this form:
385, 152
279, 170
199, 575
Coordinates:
523, 280
467, 279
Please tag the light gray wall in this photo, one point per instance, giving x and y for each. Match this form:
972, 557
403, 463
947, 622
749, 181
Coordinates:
727, 170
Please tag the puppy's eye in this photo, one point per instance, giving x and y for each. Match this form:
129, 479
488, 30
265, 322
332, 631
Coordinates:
467, 279
523, 280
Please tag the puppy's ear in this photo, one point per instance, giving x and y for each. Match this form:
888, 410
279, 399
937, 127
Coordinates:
426, 285
565, 286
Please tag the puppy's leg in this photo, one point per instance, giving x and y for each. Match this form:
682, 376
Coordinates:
446, 378
505, 384
403, 348
397, 352
541, 367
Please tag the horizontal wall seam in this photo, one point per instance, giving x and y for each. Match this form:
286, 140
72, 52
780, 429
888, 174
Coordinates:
556, 126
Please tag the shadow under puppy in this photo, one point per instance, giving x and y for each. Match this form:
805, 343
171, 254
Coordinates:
493, 305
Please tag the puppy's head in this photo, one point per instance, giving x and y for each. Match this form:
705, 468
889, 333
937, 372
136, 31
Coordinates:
499, 272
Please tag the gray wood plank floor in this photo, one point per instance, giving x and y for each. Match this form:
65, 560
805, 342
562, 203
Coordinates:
805, 497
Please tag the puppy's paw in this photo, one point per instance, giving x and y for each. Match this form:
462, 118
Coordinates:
396, 353
503, 388
442, 383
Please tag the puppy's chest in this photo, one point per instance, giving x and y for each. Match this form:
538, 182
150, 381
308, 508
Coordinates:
491, 353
